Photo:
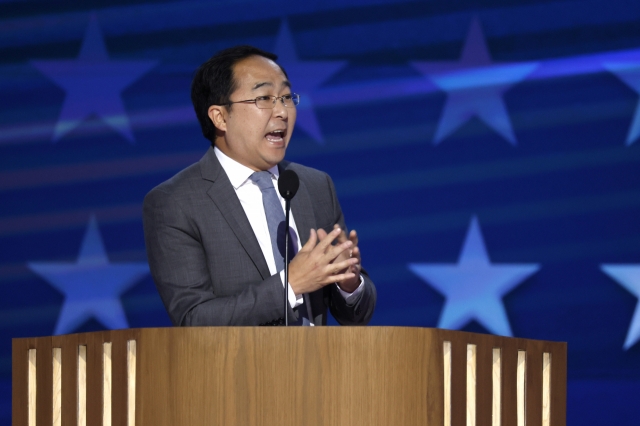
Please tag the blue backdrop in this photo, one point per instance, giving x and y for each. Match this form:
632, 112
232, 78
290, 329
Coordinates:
487, 152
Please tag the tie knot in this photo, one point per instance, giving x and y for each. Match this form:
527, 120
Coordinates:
262, 179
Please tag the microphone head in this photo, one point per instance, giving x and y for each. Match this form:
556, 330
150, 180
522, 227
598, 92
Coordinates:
288, 184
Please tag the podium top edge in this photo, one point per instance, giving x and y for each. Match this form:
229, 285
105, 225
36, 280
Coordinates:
135, 332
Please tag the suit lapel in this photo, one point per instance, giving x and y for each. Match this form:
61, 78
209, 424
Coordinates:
224, 196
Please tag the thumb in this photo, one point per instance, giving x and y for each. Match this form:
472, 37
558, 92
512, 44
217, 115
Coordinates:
311, 242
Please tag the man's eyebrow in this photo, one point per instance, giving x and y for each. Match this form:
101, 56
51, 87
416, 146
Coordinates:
285, 83
259, 85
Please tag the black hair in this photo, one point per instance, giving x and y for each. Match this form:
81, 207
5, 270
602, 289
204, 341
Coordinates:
213, 83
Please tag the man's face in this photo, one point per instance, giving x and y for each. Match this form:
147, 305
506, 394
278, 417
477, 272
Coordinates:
254, 137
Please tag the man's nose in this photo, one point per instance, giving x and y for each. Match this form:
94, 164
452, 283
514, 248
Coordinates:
279, 110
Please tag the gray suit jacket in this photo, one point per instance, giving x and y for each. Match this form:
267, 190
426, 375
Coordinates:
207, 263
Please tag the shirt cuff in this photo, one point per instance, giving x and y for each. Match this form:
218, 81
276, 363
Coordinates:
294, 300
352, 297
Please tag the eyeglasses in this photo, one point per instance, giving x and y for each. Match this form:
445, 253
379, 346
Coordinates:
269, 102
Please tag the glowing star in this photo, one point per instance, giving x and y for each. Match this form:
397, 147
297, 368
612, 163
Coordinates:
474, 87
474, 287
92, 286
628, 276
93, 84
629, 73
306, 76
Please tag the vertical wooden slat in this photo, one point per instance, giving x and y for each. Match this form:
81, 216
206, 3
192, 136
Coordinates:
471, 385
57, 387
20, 381
484, 349
32, 387
559, 385
106, 384
434, 406
496, 387
521, 388
95, 377
82, 385
119, 379
509, 361
546, 389
131, 382
446, 348
119, 374
69, 377
533, 393
44, 409
458, 382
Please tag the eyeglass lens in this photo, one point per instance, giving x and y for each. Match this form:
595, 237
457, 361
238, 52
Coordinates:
288, 101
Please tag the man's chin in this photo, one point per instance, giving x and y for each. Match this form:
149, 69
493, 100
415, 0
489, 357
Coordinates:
274, 157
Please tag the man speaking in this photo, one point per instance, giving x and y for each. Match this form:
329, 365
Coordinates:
214, 232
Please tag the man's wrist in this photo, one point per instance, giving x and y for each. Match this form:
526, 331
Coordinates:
348, 288
353, 295
294, 299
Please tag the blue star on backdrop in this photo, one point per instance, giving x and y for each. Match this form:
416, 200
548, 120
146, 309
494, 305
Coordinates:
629, 73
93, 84
474, 287
474, 87
92, 286
306, 76
628, 276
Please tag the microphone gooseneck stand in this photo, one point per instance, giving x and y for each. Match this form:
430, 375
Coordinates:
288, 184
287, 208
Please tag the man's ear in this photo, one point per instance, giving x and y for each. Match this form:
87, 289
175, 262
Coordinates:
218, 116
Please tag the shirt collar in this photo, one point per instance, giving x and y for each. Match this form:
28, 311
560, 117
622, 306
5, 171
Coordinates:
239, 174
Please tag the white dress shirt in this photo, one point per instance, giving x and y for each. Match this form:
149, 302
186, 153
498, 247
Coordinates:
250, 198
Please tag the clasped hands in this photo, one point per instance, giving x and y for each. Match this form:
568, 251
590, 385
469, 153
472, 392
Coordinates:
319, 262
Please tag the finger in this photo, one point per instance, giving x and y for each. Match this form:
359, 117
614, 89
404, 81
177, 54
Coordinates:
353, 237
311, 242
343, 236
339, 278
335, 268
334, 251
355, 252
322, 246
355, 269
322, 234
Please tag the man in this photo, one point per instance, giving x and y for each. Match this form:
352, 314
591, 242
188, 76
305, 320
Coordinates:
211, 230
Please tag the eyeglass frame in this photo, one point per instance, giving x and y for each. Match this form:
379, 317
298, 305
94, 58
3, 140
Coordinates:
273, 102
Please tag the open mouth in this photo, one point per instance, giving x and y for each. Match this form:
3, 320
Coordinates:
275, 136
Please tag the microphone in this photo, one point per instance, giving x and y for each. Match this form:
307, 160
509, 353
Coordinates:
288, 184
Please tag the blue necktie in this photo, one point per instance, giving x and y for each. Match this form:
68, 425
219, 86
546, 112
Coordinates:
276, 222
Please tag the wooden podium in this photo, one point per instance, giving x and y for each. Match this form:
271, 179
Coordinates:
288, 376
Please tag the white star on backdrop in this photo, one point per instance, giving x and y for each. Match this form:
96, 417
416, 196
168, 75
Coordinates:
305, 76
474, 287
93, 84
628, 276
92, 286
474, 86
629, 73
